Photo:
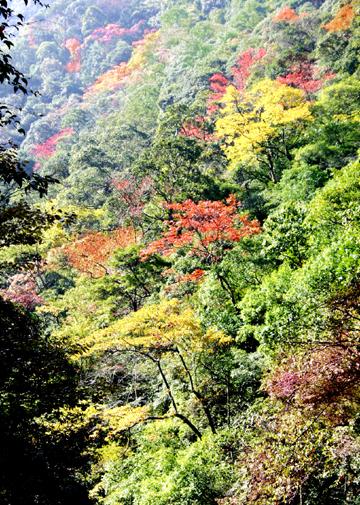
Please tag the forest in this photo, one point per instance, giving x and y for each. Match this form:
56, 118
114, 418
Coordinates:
179, 252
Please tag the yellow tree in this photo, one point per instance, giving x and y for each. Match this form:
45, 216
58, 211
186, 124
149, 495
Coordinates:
257, 125
154, 332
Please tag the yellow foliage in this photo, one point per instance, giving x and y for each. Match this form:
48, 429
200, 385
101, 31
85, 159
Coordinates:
85, 218
97, 418
161, 326
252, 118
143, 50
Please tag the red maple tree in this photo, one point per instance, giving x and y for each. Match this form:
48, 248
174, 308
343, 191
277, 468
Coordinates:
321, 376
199, 226
133, 195
90, 254
241, 70
111, 31
194, 276
197, 129
304, 76
218, 84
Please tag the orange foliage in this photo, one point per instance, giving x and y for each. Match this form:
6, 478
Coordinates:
90, 254
286, 15
117, 77
74, 47
195, 276
196, 226
342, 19
112, 79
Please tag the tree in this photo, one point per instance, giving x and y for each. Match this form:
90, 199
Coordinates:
47, 149
19, 221
286, 15
181, 166
154, 332
242, 69
303, 76
133, 279
74, 48
36, 377
256, 126
9, 23
90, 254
116, 77
22, 290
204, 229
342, 20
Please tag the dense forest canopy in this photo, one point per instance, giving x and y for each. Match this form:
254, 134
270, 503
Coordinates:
179, 252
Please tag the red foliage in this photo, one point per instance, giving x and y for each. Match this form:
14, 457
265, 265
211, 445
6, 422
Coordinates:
241, 71
23, 290
108, 32
342, 20
74, 47
286, 15
133, 194
48, 148
218, 85
321, 376
196, 226
90, 254
195, 276
303, 76
197, 129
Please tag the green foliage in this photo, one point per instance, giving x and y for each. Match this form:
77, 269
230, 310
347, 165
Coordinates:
164, 470
228, 371
36, 377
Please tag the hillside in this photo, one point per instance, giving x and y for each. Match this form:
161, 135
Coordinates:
180, 252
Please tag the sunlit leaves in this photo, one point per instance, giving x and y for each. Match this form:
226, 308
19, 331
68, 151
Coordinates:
98, 420
159, 327
250, 120
90, 254
342, 20
196, 226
